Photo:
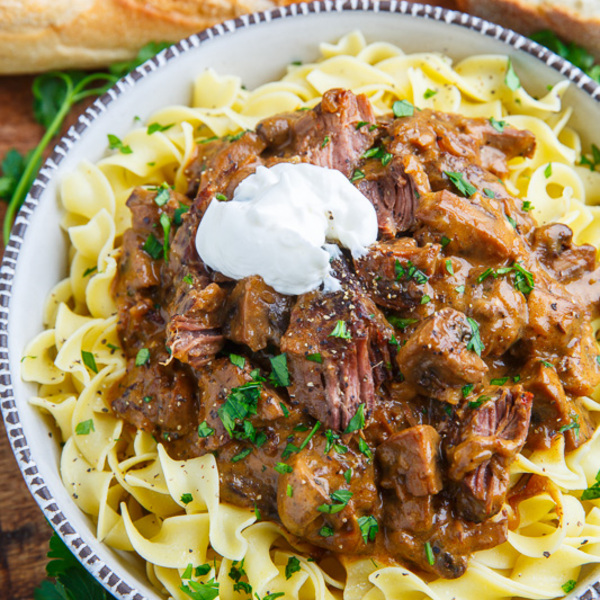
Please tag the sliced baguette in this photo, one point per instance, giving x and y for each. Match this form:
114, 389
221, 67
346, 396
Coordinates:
41, 35
575, 21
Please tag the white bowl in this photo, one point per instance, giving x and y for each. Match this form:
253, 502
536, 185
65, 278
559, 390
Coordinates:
257, 48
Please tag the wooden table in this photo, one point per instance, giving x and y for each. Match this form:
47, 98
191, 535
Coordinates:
24, 533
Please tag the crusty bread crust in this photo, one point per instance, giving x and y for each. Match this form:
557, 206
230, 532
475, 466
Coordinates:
573, 20
41, 35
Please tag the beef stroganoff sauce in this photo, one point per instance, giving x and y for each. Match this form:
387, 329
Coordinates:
426, 427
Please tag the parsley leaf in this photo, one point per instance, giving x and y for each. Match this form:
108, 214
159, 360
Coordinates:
497, 125
403, 108
341, 331
357, 421
316, 357
462, 185
89, 361
204, 430
115, 143
163, 194
511, 79
142, 357
368, 528
280, 377
293, 566
475, 342
186, 499
85, 427
241, 402
237, 360
429, 554
401, 323
154, 127
153, 247
593, 492
201, 591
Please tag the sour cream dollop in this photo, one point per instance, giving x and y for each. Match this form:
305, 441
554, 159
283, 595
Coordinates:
278, 225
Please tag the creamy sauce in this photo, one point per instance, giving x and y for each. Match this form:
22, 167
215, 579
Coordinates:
278, 225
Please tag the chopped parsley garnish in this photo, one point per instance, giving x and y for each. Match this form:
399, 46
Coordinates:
284, 409
289, 491
221, 197
186, 499
348, 475
282, 468
593, 492
445, 241
241, 455
153, 247
449, 266
425, 299
163, 194
310, 435
357, 175
547, 364
569, 586
462, 185
429, 93
84, 427
592, 164
475, 342
89, 271
280, 376
165, 223
364, 448
340, 499
147, 399
241, 403
316, 357
489, 193
524, 281
326, 141
332, 442
574, 425
237, 360
460, 289
201, 570
114, 143
497, 125
511, 79
487, 273
499, 381
429, 554
409, 271
341, 331
526, 206
401, 323
201, 591
548, 171
89, 361
154, 127
187, 574
204, 430
403, 108
368, 528
326, 531
511, 221
293, 566
257, 511
361, 124
142, 357
467, 389
188, 279
477, 403
357, 421
179, 212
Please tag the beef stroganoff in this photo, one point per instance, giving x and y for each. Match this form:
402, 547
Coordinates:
428, 429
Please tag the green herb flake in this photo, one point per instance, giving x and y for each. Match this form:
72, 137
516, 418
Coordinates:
341, 331
429, 554
326, 141
460, 289
487, 273
237, 360
592, 492
326, 531
316, 357
547, 364
201, 591
165, 223
569, 586
84, 427
283, 468
403, 108
202, 570
163, 194
142, 357
310, 435
241, 455
449, 266
188, 279
204, 430
89, 271
89, 361
400, 322
357, 422
527, 206
429, 93
153, 247
573, 425
361, 124
466, 188
445, 241
348, 475
477, 403
114, 143
363, 447
357, 176
548, 171
147, 399
186, 499
475, 344
368, 528
499, 381
154, 127
289, 491
524, 281
489, 193
293, 566
511, 79
179, 212
497, 125
221, 197
425, 299
467, 389
280, 376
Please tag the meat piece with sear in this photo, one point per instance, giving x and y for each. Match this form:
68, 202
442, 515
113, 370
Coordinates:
481, 446
438, 359
337, 348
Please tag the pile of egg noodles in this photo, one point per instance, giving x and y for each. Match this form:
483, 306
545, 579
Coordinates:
127, 483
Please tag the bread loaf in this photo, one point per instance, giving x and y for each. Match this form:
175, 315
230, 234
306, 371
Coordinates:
41, 35
575, 21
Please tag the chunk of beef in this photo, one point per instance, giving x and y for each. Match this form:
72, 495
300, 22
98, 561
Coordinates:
559, 333
159, 399
553, 411
337, 351
327, 136
393, 194
410, 459
437, 359
477, 227
255, 314
480, 448
315, 475
396, 272
278, 131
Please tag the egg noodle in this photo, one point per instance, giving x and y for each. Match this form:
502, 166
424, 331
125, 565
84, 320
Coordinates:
167, 511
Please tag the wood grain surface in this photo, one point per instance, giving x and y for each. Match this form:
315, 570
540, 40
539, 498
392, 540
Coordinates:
24, 532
